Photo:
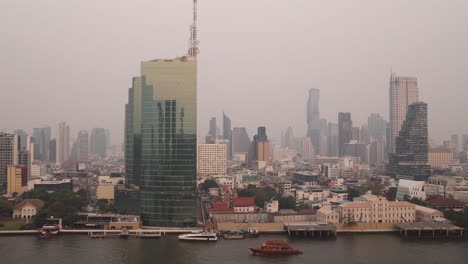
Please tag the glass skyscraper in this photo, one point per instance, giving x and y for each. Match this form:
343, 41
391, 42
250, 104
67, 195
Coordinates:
160, 141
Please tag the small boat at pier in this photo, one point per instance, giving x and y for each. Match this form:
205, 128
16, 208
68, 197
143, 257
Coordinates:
97, 234
233, 236
150, 234
275, 247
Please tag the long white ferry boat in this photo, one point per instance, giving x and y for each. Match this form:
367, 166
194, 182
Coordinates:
202, 236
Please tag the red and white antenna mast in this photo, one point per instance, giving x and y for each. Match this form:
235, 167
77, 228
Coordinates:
193, 42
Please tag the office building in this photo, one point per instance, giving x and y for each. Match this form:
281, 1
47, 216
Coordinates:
227, 134
356, 149
22, 138
260, 150
99, 142
441, 157
161, 139
455, 142
403, 92
332, 140
213, 128
240, 140
411, 158
9, 148
41, 143
345, 131
53, 150
307, 150
15, 175
81, 147
377, 152
313, 118
62, 143
212, 159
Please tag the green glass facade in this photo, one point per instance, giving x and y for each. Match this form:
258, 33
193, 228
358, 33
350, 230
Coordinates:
160, 141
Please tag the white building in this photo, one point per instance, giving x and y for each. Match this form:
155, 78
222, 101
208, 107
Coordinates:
212, 159
272, 207
411, 189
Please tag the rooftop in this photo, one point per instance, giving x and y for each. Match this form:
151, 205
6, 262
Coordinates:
243, 201
34, 202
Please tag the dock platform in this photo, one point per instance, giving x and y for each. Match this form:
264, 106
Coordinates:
429, 229
312, 230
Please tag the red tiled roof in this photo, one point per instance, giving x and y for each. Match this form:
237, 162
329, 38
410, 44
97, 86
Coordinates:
445, 202
221, 210
243, 201
221, 205
34, 202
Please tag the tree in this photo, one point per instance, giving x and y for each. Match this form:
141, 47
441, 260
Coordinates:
208, 183
246, 193
287, 202
352, 193
391, 193
6, 208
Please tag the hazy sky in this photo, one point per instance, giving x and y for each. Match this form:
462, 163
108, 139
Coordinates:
74, 60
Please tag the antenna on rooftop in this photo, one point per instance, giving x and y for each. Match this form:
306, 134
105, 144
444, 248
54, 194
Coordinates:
193, 42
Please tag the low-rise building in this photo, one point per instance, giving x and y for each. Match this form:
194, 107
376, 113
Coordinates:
445, 204
243, 204
410, 189
272, 206
326, 214
440, 157
27, 209
105, 191
379, 211
426, 214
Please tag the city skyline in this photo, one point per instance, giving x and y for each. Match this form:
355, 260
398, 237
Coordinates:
91, 84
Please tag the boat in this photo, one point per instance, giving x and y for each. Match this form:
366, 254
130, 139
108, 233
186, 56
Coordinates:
97, 234
52, 229
43, 234
150, 234
124, 234
200, 236
275, 247
252, 232
233, 236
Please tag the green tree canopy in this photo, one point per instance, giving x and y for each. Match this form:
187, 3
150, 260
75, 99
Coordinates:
287, 202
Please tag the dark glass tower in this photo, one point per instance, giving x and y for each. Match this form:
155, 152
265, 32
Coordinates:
227, 133
411, 158
313, 118
160, 141
345, 131
212, 131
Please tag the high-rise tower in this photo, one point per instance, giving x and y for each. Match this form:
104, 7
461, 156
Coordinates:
313, 118
161, 138
410, 160
403, 92
345, 131
63, 142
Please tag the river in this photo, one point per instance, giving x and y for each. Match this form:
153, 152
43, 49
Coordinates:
347, 248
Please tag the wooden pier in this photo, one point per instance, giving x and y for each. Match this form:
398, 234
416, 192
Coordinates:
429, 229
313, 230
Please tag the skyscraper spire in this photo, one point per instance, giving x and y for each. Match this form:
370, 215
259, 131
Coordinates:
193, 42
